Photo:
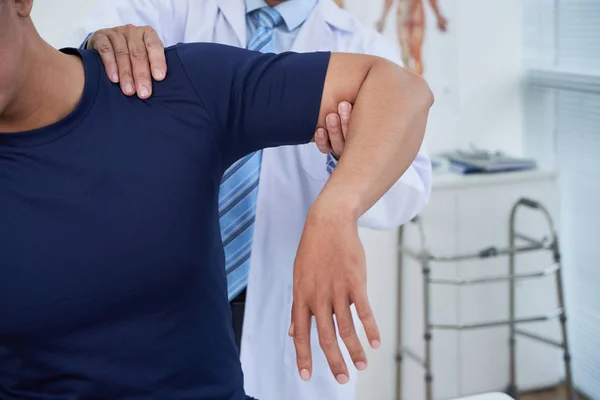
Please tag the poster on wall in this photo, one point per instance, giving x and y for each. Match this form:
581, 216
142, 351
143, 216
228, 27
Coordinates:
427, 36
410, 27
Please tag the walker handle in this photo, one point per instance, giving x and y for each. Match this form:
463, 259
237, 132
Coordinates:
529, 203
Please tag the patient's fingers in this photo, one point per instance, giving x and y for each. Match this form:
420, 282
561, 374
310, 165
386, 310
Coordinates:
365, 313
302, 322
347, 332
329, 343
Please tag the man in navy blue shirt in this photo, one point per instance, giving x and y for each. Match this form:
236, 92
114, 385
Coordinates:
112, 283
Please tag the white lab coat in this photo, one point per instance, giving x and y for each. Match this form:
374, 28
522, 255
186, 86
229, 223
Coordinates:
291, 178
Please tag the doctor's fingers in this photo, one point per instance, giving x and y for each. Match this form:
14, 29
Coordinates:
329, 343
156, 53
291, 330
322, 141
128, 52
140, 59
345, 111
336, 137
301, 324
114, 52
101, 42
347, 332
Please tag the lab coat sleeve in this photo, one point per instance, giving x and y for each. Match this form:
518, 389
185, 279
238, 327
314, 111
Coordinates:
410, 193
168, 18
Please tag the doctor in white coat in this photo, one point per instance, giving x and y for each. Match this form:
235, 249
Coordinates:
290, 177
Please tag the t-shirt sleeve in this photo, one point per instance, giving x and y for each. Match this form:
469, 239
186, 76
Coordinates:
256, 100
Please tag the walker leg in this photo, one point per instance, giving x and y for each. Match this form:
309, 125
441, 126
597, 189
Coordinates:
427, 330
400, 314
563, 323
512, 386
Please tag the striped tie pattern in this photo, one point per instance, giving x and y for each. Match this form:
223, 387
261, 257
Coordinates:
331, 163
239, 187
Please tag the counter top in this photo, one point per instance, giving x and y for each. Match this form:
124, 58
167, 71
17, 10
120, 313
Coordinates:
489, 396
445, 180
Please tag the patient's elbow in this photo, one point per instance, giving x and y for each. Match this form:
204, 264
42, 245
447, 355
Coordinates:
420, 90
412, 87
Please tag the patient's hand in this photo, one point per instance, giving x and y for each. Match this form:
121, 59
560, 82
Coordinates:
329, 276
133, 55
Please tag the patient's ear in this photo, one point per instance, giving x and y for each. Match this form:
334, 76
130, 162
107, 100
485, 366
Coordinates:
23, 7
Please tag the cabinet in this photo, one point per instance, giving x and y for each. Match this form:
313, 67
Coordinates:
467, 214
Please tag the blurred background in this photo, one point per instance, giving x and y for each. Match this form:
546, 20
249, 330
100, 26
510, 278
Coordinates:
517, 115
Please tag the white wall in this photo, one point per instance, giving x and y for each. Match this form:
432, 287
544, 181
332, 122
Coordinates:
474, 69
55, 18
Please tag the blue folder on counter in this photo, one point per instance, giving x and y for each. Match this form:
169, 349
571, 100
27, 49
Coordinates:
481, 162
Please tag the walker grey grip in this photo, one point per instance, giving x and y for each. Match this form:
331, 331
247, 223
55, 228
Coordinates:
529, 203
489, 252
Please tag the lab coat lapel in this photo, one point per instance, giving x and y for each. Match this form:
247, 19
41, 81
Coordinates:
315, 34
234, 12
324, 29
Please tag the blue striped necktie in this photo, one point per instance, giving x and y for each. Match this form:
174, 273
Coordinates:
239, 187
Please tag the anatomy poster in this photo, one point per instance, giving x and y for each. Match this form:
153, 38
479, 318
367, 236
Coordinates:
410, 27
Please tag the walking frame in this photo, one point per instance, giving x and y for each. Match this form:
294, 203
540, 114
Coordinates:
526, 244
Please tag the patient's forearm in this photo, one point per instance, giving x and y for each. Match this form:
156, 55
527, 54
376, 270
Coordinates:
385, 133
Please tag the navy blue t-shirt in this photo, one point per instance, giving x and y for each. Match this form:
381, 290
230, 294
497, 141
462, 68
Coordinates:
112, 283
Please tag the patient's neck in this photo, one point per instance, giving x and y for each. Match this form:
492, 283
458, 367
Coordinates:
49, 86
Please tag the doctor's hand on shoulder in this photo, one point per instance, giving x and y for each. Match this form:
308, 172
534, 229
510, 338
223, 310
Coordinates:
134, 55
